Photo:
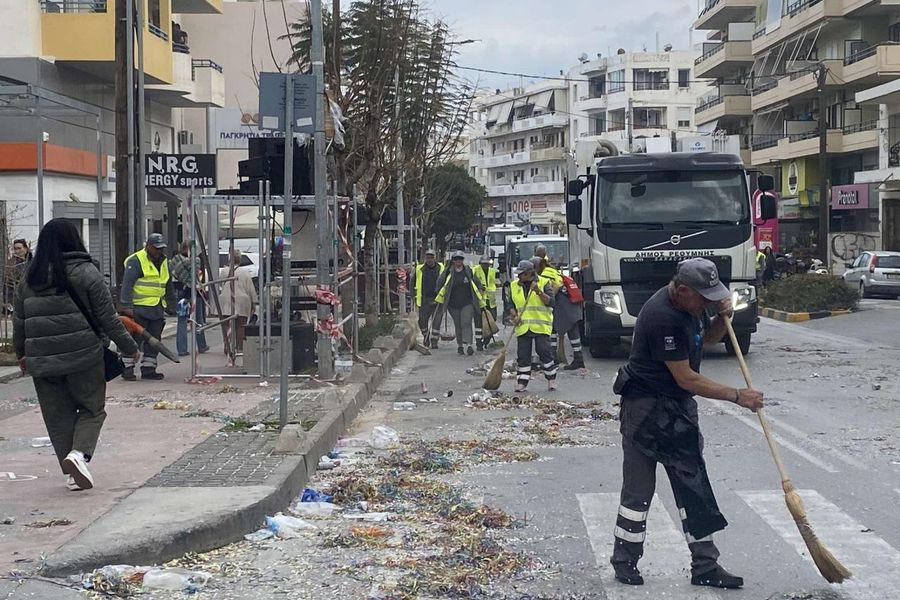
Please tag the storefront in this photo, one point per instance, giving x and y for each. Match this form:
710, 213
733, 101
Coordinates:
854, 226
798, 209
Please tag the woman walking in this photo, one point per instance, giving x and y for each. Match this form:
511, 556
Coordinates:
239, 299
56, 344
460, 294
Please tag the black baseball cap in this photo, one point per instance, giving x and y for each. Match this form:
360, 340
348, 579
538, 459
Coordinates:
156, 240
701, 275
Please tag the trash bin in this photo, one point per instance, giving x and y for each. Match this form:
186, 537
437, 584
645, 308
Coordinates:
302, 351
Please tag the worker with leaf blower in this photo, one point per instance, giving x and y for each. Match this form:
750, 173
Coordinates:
532, 315
659, 421
147, 295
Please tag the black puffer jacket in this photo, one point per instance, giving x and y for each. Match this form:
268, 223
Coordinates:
53, 335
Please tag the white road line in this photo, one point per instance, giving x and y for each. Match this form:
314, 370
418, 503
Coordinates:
875, 564
666, 562
845, 458
837, 342
753, 423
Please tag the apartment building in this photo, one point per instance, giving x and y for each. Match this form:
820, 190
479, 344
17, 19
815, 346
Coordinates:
855, 42
634, 96
62, 54
518, 151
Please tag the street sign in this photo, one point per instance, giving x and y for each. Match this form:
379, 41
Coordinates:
272, 101
182, 171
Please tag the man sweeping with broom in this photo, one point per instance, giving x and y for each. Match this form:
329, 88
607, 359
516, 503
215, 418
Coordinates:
533, 321
659, 422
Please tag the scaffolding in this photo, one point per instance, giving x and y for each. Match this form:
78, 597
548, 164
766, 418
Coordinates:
341, 209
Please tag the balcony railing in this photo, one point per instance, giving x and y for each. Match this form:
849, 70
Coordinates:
763, 141
794, 8
709, 104
863, 126
806, 135
643, 86
759, 33
716, 49
181, 48
73, 6
204, 63
803, 72
710, 4
861, 55
155, 30
764, 87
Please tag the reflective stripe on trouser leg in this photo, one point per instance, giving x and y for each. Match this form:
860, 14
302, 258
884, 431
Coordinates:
704, 553
148, 362
523, 375
638, 485
550, 370
546, 355
554, 341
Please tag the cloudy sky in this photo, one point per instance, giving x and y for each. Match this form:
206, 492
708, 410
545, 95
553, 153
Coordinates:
542, 37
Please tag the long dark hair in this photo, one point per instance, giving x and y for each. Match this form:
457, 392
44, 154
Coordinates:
57, 237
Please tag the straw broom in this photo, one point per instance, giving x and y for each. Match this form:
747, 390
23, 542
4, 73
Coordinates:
830, 568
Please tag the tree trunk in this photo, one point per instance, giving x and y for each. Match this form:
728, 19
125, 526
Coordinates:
369, 239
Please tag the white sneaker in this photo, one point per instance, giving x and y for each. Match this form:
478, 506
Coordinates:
70, 483
74, 465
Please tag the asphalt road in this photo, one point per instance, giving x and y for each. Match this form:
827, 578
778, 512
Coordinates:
873, 323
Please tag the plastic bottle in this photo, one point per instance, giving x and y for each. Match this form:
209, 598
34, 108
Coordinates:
175, 579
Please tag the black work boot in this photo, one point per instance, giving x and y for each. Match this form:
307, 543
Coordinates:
460, 351
128, 374
577, 363
434, 343
479, 345
719, 578
627, 573
151, 373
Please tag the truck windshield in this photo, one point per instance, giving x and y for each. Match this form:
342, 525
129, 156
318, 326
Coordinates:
557, 251
498, 238
659, 198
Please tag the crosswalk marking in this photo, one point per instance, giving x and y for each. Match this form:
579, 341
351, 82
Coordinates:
666, 562
753, 423
875, 563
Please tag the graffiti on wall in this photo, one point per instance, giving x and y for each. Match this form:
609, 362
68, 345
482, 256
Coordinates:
848, 245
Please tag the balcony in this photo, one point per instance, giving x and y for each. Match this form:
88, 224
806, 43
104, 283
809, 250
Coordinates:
527, 189
797, 16
723, 59
875, 64
547, 153
503, 159
735, 105
798, 85
860, 136
81, 34
184, 7
209, 84
538, 122
717, 14
592, 102
779, 147
197, 84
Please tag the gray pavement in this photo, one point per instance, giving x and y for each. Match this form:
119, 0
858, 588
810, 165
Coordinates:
832, 402
875, 322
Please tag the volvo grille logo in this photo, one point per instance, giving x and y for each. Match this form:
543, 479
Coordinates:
675, 240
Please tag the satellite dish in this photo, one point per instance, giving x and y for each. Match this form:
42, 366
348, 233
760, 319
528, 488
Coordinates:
583, 57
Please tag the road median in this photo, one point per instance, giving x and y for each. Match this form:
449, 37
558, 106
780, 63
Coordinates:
799, 317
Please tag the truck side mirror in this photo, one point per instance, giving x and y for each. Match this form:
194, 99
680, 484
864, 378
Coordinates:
765, 183
576, 187
573, 208
768, 206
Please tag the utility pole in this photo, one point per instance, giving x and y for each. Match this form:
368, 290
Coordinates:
824, 196
629, 120
124, 131
138, 151
288, 227
401, 182
323, 230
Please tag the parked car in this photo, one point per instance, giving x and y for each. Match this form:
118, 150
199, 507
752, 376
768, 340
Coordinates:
874, 274
249, 263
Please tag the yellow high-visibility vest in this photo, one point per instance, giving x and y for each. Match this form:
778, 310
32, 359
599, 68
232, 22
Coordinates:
420, 278
489, 282
534, 315
444, 296
150, 288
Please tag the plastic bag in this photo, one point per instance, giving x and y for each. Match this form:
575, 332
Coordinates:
383, 438
259, 535
287, 527
311, 495
404, 406
175, 579
314, 509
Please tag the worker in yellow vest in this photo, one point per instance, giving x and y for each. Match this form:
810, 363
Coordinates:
425, 288
486, 275
533, 319
147, 295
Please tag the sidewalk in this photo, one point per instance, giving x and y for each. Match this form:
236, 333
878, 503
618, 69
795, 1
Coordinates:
169, 479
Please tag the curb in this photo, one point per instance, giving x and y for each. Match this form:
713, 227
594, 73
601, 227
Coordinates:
798, 317
165, 538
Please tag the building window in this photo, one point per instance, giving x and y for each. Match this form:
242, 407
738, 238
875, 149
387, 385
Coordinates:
894, 32
651, 79
597, 86
155, 17
500, 175
617, 81
519, 176
684, 116
684, 78
598, 124
649, 118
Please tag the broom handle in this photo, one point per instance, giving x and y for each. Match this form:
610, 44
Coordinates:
770, 439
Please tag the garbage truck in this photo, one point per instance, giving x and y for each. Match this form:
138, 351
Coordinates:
495, 239
633, 217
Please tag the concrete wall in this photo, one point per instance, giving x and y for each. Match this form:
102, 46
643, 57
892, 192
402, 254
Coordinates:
20, 28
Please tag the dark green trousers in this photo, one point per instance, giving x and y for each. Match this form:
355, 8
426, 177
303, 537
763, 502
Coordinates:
73, 409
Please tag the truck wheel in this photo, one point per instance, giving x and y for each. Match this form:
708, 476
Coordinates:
743, 338
604, 347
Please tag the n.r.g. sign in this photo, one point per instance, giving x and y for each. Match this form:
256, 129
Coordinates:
180, 171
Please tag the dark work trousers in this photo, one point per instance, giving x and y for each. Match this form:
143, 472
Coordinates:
574, 338
638, 486
427, 312
73, 409
541, 344
155, 328
462, 323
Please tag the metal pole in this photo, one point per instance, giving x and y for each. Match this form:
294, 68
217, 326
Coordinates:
141, 195
261, 278
824, 197
401, 183
129, 84
286, 260
189, 227
270, 229
323, 231
99, 208
629, 121
355, 278
40, 167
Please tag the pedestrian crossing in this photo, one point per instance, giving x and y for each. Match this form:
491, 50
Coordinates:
875, 564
